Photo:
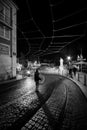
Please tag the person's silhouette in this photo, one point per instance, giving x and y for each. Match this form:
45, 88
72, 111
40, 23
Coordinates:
74, 71
36, 78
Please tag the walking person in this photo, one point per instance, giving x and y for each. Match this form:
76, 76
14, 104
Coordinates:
70, 72
36, 78
74, 71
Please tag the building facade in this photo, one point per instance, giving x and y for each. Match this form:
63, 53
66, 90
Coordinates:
8, 42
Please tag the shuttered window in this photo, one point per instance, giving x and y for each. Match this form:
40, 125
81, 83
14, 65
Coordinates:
5, 14
4, 32
1, 30
1, 12
7, 33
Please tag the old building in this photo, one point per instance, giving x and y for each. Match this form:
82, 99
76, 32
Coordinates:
8, 42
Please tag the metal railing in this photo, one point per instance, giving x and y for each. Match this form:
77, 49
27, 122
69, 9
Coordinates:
82, 77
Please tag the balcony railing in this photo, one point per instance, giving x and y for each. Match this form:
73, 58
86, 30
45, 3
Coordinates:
5, 19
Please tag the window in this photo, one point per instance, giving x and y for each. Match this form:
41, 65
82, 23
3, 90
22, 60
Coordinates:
1, 9
4, 49
7, 33
4, 32
5, 14
1, 30
1, 12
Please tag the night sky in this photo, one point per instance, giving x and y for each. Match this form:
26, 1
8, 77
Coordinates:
51, 28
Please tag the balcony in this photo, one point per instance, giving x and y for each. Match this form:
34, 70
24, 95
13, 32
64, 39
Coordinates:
5, 20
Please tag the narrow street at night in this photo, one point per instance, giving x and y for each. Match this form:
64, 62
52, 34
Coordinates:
43, 65
58, 104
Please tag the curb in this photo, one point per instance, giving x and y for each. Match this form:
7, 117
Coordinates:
11, 80
81, 86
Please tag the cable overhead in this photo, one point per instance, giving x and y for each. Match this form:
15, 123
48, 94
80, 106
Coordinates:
66, 36
34, 54
33, 38
31, 31
38, 54
26, 40
52, 19
74, 25
53, 47
62, 47
35, 24
73, 41
59, 43
77, 12
42, 35
24, 33
54, 37
53, 5
24, 22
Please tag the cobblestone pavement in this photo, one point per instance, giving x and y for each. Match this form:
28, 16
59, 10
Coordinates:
58, 104
19, 102
66, 109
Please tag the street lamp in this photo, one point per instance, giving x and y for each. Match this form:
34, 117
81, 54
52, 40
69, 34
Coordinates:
68, 58
69, 61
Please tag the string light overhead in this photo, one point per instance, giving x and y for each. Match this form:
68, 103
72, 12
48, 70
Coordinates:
57, 41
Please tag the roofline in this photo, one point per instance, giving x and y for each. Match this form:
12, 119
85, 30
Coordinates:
11, 2
14, 4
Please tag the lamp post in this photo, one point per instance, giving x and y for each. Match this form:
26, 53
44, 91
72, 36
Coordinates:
69, 65
68, 58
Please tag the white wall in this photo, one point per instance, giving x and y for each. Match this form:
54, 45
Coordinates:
5, 67
14, 33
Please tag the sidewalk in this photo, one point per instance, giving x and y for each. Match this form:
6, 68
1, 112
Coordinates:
82, 87
18, 77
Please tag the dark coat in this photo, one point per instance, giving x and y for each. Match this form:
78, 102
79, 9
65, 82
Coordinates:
36, 76
74, 70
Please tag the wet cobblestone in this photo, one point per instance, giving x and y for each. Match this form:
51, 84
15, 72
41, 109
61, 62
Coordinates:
46, 116
75, 116
16, 91
75, 111
60, 106
17, 109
